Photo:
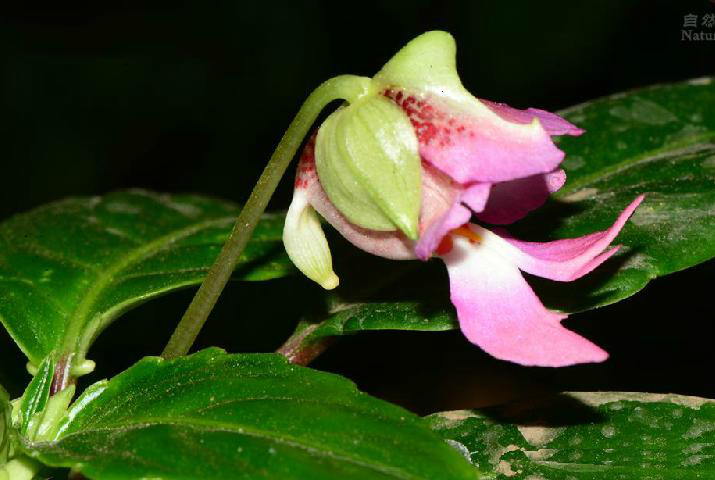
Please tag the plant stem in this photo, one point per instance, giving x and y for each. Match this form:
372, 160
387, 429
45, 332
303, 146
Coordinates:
348, 87
300, 353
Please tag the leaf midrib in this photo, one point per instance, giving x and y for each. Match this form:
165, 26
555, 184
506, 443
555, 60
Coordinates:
79, 317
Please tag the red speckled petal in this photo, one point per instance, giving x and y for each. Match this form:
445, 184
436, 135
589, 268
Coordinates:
471, 143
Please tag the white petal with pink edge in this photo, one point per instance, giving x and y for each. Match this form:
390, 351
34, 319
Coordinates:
563, 260
499, 312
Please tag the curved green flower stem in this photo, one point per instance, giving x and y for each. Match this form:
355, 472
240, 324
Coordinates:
347, 87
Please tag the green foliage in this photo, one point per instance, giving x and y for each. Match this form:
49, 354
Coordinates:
588, 435
4, 425
69, 268
34, 400
359, 317
659, 141
213, 415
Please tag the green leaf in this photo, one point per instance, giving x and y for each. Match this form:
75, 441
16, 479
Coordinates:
34, 400
213, 415
659, 141
5, 419
414, 316
588, 436
377, 294
310, 338
67, 269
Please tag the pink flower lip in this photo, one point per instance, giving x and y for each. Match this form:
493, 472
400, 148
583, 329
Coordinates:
498, 310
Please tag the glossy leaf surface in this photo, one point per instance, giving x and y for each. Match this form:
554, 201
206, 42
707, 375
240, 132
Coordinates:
383, 316
657, 141
67, 269
36, 394
213, 415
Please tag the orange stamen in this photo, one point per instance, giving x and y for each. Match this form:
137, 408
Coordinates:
468, 233
447, 244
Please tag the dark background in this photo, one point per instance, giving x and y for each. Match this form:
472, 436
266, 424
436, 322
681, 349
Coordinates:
194, 96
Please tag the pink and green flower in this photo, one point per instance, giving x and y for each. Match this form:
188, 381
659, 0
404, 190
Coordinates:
403, 169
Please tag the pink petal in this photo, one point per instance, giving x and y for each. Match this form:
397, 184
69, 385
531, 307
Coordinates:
511, 201
476, 196
429, 240
392, 245
439, 194
551, 122
500, 313
572, 258
471, 143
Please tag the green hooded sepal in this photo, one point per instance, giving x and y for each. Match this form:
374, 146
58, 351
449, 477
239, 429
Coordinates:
427, 68
428, 65
368, 163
